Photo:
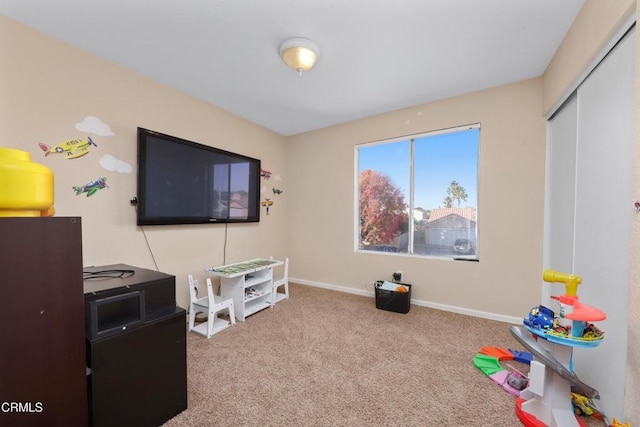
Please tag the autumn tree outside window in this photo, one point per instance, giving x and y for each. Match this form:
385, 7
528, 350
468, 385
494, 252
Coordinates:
418, 195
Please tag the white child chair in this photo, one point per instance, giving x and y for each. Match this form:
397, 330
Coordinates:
283, 281
211, 305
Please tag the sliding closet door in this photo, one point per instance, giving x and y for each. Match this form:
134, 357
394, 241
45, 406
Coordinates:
560, 193
589, 210
603, 214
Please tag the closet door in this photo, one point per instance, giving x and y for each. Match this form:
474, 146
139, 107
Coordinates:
603, 214
560, 191
589, 207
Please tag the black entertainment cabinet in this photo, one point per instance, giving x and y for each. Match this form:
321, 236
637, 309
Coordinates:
136, 347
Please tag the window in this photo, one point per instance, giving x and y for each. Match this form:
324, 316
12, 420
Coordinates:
417, 195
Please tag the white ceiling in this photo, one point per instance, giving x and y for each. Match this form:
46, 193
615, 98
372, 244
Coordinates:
375, 55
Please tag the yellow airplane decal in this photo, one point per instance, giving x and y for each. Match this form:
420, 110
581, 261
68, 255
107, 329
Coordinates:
72, 148
266, 203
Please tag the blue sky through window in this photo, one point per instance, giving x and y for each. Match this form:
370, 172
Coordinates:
439, 159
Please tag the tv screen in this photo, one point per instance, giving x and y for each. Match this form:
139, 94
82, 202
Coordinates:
183, 182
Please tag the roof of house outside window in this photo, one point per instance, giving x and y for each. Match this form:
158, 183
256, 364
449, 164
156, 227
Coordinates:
468, 213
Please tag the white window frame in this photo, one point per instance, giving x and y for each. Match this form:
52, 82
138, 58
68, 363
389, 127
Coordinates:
411, 190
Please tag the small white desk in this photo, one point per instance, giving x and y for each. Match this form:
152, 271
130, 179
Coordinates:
248, 283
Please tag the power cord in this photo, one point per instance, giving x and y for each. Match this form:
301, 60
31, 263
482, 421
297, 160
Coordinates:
134, 203
149, 247
224, 248
107, 274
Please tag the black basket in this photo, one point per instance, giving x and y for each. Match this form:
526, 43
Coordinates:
399, 302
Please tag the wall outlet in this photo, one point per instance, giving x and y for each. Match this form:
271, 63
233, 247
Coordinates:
397, 276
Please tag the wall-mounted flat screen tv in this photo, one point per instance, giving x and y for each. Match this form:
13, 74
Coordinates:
184, 182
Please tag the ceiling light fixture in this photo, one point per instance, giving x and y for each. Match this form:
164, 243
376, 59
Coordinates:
299, 54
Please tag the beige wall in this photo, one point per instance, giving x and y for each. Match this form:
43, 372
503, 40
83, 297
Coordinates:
47, 87
511, 186
595, 26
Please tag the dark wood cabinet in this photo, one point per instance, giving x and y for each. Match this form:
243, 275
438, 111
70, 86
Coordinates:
138, 367
42, 356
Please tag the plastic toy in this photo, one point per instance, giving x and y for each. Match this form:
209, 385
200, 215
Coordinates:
548, 358
616, 423
26, 188
512, 382
488, 361
489, 365
547, 399
541, 317
582, 405
498, 353
517, 380
522, 356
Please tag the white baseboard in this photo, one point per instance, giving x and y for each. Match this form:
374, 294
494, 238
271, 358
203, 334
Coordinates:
370, 293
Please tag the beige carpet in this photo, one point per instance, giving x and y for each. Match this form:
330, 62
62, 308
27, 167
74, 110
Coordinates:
326, 358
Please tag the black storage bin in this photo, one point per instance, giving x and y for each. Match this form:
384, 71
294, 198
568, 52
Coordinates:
399, 302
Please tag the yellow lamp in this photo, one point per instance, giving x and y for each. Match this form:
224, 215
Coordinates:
26, 188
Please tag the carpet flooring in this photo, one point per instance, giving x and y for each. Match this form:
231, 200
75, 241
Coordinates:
327, 358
